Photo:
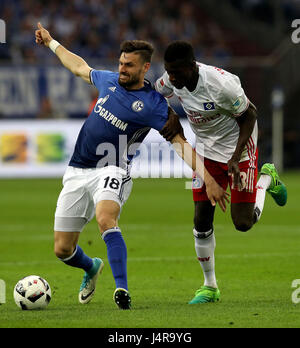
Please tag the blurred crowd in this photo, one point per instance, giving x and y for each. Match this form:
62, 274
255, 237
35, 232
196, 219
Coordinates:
95, 28
268, 11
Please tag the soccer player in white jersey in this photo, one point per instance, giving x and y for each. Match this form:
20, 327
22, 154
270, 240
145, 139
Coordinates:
225, 124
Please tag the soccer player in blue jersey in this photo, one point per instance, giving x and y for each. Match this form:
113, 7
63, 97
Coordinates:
97, 180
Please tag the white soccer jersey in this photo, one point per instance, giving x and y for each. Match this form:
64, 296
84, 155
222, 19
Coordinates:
211, 110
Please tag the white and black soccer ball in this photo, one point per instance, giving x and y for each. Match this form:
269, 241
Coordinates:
32, 292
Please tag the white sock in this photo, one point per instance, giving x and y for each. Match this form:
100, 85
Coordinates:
262, 185
205, 245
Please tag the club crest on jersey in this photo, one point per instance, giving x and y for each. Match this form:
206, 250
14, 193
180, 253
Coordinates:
209, 106
197, 183
137, 106
237, 103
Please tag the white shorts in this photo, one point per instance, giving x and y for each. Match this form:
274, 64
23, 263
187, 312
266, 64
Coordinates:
83, 189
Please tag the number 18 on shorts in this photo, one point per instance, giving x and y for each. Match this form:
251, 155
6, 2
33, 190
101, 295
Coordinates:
83, 189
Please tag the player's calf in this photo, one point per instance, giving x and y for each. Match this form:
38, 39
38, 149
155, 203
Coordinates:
65, 243
68, 251
203, 216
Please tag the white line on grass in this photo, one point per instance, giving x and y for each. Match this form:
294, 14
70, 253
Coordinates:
161, 259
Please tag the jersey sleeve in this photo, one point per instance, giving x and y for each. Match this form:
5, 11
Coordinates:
97, 77
159, 115
163, 86
231, 96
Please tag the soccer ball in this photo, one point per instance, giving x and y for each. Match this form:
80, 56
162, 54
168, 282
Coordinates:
32, 292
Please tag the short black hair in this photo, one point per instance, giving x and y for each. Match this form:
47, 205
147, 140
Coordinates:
179, 50
143, 48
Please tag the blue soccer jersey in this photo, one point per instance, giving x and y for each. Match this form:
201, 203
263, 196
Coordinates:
120, 119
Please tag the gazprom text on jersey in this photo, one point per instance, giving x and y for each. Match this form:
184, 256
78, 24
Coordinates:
108, 116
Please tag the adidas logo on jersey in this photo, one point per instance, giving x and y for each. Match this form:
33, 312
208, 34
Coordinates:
112, 88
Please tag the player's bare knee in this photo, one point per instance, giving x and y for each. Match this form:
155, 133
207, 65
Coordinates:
242, 216
105, 222
243, 226
63, 251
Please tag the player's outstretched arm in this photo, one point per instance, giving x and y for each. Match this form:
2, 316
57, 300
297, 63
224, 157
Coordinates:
214, 191
71, 61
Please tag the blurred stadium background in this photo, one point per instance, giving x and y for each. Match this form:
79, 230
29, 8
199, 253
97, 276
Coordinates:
251, 38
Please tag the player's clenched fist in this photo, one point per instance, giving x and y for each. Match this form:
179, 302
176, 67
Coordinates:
42, 35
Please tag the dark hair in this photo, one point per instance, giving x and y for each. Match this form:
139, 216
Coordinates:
179, 50
143, 48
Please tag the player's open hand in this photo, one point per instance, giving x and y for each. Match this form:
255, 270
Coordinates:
216, 194
42, 35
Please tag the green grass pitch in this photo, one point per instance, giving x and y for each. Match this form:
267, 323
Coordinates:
255, 270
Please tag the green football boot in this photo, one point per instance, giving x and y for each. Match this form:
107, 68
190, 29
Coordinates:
206, 294
277, 188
